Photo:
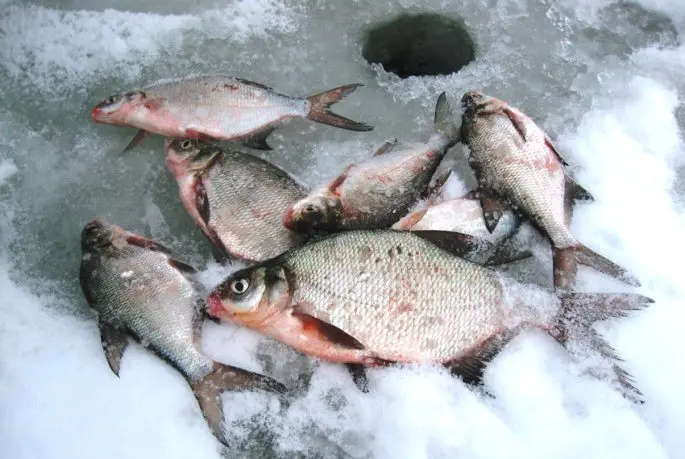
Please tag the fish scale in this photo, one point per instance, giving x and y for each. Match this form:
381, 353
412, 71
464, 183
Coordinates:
404, 297
249, 105
140, 290
512, 167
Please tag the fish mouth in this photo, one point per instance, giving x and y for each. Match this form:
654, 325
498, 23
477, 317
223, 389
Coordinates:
471, 98
290, 220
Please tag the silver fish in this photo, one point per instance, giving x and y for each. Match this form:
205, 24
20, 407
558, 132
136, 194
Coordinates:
236, 198
517, 165
138, 288
374, 297
377, 191
218, 107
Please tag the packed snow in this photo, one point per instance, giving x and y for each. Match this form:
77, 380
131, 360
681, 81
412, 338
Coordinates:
604, 78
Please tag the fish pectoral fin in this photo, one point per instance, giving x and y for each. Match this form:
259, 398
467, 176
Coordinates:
257, 141
459, 244
339, 180
323, 331
470, 367
386, 147
140, 241
201, 200
433, 190
409, 221
114, 343
554, 149
577, 192
208, 391
493, 209
136, 140
181, 266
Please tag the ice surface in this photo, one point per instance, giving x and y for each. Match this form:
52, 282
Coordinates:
604, 78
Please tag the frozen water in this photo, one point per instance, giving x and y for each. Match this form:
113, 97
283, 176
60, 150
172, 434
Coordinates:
604, 78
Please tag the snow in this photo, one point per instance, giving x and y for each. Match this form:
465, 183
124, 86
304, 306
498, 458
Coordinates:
606, 86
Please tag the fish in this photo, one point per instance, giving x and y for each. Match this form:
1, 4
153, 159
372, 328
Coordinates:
138, 288
464, 215
383, 297
517, 166
218, 108
237, 199
376, 192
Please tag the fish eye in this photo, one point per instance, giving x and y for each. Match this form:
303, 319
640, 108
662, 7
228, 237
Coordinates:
111, 99
310, 209
186, 144
240, 286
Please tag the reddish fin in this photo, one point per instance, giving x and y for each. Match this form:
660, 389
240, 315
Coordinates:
321, 113
409, 221
339, 180
136, 140
195, 134
114, 343
152, 104
386, 147
461, 245
581, 310
140, 241
566, 266
208, 391
325, 331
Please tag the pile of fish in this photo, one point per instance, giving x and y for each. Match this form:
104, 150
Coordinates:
355, 271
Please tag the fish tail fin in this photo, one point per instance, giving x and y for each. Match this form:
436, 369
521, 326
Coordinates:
581, 310
320, 109
444, 122
567, 259
208, 391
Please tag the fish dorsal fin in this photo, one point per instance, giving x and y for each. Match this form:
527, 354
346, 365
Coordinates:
386, 147
257, 141
146, 243
314, 326
252, 83
459, 244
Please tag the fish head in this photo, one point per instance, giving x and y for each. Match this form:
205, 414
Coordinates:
117, 108
471, 100
251, 296
190, 155
316, 211
99, 236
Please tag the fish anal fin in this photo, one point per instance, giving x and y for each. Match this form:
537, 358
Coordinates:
136, 140
323, 331
208, 391
577, 192
493, 209
257, 141
140, 241
470, 367
114, 343
386, 147
459, 244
